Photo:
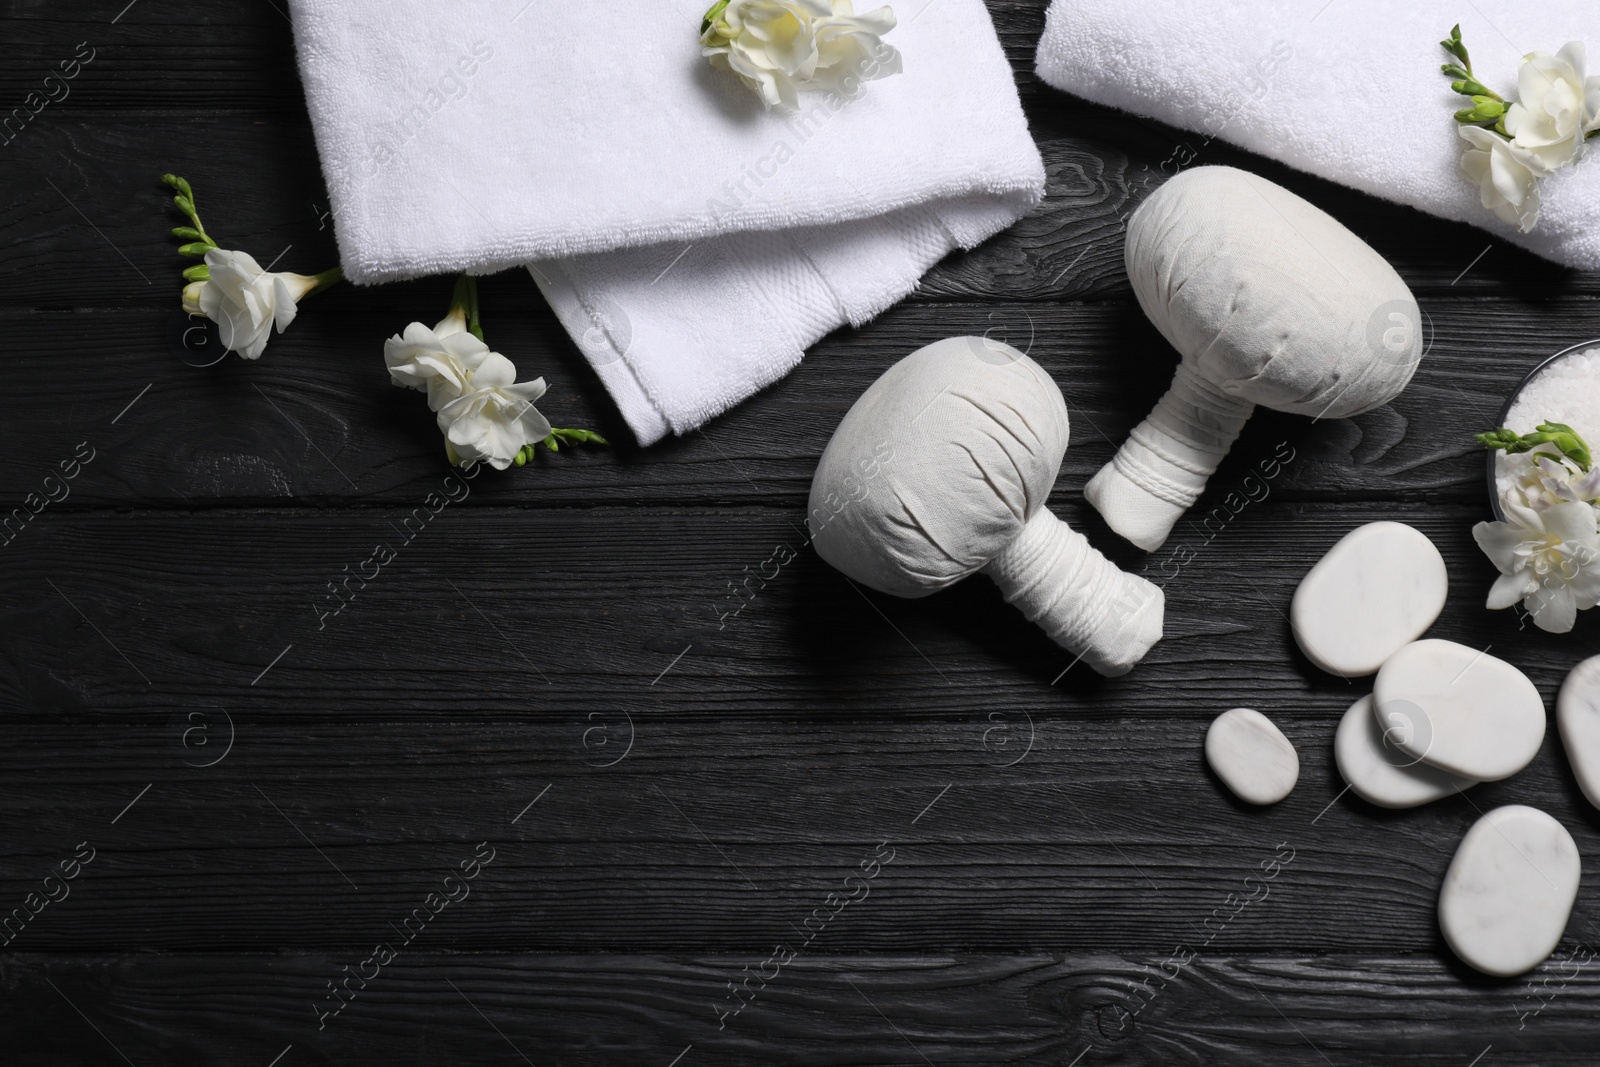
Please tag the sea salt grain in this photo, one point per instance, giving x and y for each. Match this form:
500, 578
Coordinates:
1568, 391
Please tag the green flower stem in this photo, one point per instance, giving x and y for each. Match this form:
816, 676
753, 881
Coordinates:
1484, 112
200, 242
474, 326
1484, 99
711, 16
327, 279
1567, 440
555, 439
1474, 88
574, 437
1455, 47
465, 299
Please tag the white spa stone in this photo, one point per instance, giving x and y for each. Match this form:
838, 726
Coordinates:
1251, 756
1509, 891
1377, 590
1578, 715
1379, 772
1459, 709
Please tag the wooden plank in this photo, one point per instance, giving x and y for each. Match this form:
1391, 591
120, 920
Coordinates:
825, 1010
503, 650
316, 420
86, 192
205, 597
1120, 844
185, 56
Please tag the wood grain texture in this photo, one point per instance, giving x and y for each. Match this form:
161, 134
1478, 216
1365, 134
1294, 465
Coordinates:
552, 663
764, 757
1035, 1009
206, 600
318, 421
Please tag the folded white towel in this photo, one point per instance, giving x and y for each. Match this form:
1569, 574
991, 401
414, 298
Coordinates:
692, 243
1346, 89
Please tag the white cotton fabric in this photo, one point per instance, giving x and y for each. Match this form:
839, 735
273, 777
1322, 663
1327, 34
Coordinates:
692, 243
1269, 300
1348, 90
942, 469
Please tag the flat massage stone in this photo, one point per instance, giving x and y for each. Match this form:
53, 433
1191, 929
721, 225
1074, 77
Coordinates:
1578, 715
1509, 891
1251, 756
1461, 710
1379, 772
1377, 590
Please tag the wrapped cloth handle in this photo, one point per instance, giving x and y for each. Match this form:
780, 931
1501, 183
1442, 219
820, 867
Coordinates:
1084, 601
1161, 470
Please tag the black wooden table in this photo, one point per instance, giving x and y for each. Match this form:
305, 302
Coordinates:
588, 824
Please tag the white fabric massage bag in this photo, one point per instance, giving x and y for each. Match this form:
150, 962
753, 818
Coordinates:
942, 468
1270, 301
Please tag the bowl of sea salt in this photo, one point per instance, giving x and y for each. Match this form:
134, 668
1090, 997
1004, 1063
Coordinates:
1564, 388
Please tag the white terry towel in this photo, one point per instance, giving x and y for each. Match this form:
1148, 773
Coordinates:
691, 243
1346, 89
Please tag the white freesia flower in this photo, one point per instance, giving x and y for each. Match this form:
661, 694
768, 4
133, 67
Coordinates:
495, 419
245, 301
1543, 480
1507, 176
1546, 128
484, 413
1556, 106
1549, 560
440, 361
780, 47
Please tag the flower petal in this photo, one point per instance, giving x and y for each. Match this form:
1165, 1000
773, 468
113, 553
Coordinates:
1586, 487
1474, 168
1499, 541
1574, 55
1521, 515
1510, 177
491, 370
1510, 588
528, 392
1586, 586
285, 310
1554, 608
453, 323
1570, 521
